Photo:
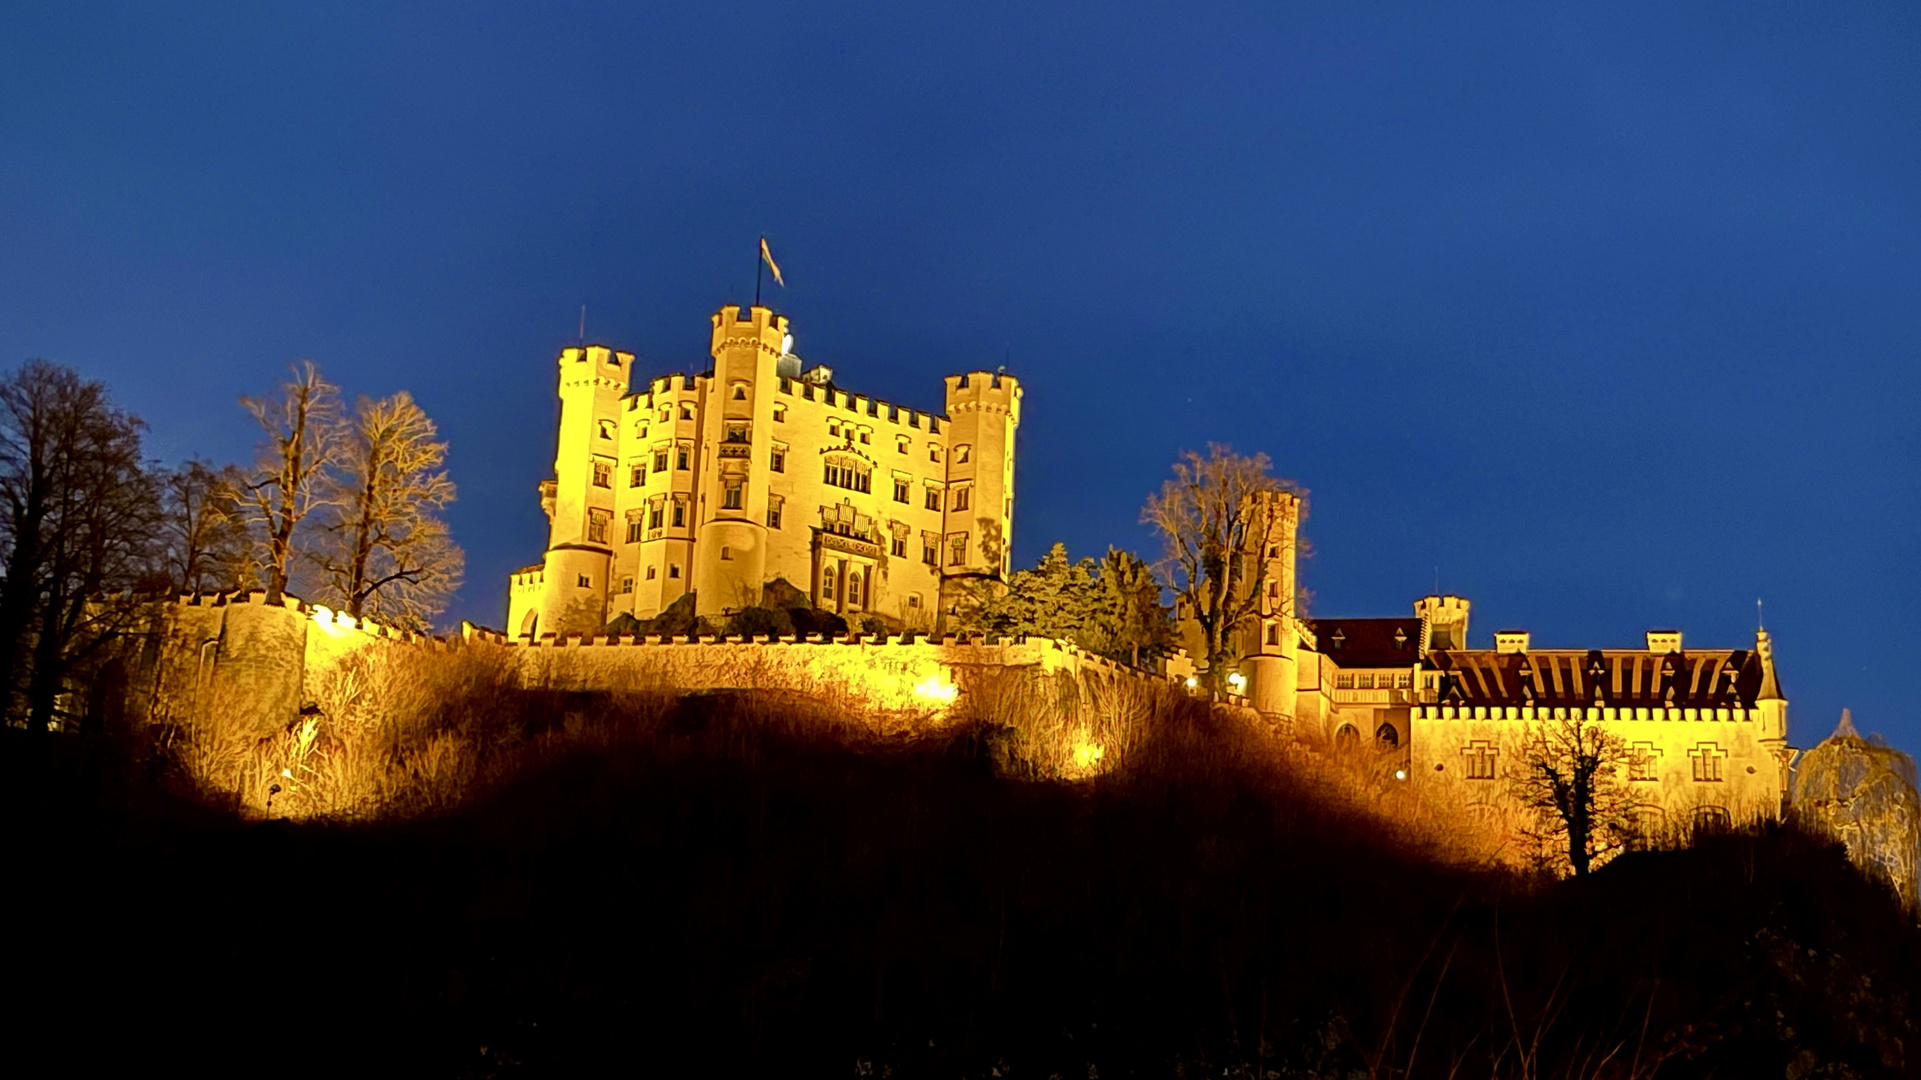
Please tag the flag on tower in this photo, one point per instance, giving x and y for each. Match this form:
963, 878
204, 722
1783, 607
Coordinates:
771, 264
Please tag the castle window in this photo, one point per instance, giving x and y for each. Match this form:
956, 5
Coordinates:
740, 393
777, 459
681, 458
651, 572
933, 498
606, 428
736, 432
901, 442
900, 490
1480, 755
780, 411
1427, 682
933, 453
849, 473
583, 581
1339, 639
827, 583
680, 512
1387, 736
961, 498
1707, 758
686, 412
1274, 551
1405, 681
654, 515
1343, 682
867, 437
1273, 633
1364, 682
898, 547
673, 570
660, 461
913, 600
773, 511
1642, 761
853, 590
634, 527
1711, 819
1400, 638
666, 414
627, 584
603, 474
726, 554
730, 495
597, 521
637, 474
1347, 737
962, 453
929, 552
957, 549
833, 429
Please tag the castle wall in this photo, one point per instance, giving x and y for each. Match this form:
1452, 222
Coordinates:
1731, 746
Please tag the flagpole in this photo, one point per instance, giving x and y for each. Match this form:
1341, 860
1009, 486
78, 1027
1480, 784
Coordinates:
757, 261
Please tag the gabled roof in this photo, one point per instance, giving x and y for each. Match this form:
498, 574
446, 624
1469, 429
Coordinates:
1368, 643
1620, 677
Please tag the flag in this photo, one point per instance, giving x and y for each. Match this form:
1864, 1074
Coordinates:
771, 264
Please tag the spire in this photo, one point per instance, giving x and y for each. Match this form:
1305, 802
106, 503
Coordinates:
1770, 689
1845, 729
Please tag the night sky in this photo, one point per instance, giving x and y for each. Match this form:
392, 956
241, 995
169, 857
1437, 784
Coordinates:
1608, 319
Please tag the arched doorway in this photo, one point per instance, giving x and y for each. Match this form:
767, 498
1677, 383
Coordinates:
530, 624
1389, 738
1347, 737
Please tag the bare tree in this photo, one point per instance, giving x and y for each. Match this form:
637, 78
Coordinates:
77, 520
1568, 773
1217, 519
384, 550
304, 441
205, 546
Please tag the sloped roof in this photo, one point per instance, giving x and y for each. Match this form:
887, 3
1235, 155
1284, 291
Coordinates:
1620, 677
1368, 643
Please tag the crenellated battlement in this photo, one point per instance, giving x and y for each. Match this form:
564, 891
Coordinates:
758, 329
984, 391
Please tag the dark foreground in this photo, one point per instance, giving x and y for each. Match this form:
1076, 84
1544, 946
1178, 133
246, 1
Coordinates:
710, 893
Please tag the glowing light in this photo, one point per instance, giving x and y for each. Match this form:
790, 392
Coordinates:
933, 688
1087, 755
288, 773
1237, 681
1400, 774
1192, 682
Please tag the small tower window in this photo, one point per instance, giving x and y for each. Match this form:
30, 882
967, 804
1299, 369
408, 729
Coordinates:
780, 414
730, 495
681, 459
961, 497
686, 412
637, 474
606, 429
933, 498
603, 474
1273, 633
673, 570
597, 522
900, 490
933, 453
583, 581
773, 511
962, 453
660, 461
726, 554
627, 584
898, 547
654, 515
680, 513
652, 572
901, 443
957, 549
777, 459
634, 527
740, 393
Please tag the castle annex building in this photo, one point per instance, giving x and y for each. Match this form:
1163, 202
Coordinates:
762, 471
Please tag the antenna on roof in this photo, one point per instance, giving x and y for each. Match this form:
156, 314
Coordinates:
1437, 581
1759, 623
583, 324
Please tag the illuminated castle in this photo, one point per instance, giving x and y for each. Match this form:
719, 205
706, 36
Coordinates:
1705, 730
758, 471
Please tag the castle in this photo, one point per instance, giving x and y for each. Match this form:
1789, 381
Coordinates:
759, 472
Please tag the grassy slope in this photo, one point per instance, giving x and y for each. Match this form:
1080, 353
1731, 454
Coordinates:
716, 893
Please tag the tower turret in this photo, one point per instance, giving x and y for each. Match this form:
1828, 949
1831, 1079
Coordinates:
730, 550
983, 410
1771, 709
1270, 651
1443, 622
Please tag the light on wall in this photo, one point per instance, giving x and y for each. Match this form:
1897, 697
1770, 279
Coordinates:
1236, 682
934, 688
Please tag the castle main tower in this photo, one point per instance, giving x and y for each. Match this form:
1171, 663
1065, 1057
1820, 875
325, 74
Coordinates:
730, 549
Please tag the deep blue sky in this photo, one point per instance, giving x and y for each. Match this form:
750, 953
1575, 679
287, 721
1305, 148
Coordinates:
1610, 317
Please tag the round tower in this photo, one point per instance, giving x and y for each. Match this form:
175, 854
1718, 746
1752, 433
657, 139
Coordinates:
1443, 622
730, 549
580, 502
1269, 658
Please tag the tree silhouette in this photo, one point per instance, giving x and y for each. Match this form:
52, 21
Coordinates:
304, 440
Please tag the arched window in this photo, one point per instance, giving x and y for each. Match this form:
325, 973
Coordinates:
1711, 819
827, 583
1387, 737
530, 626
853, 590
1347, 736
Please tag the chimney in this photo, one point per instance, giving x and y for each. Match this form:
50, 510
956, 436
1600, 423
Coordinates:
1510, 641
1664, 641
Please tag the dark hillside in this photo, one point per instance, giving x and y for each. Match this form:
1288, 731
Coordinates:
725, 887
